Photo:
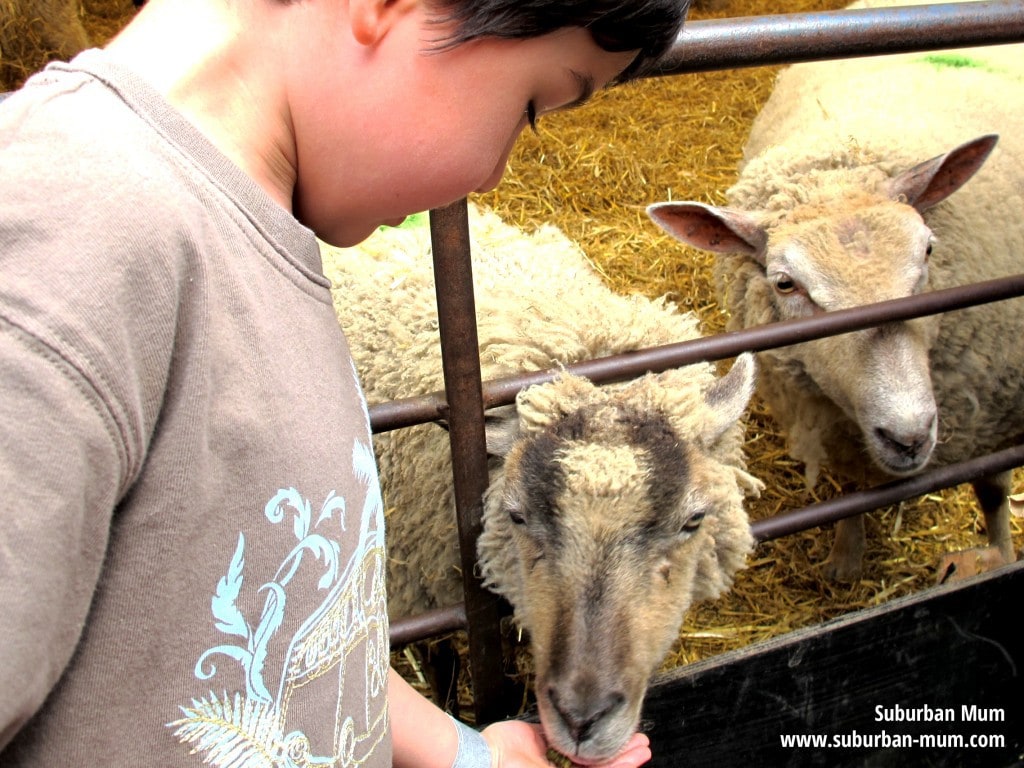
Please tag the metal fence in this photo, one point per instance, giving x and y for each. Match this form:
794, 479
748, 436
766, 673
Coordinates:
702, 46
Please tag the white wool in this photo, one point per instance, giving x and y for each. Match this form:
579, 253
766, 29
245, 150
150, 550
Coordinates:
540, 303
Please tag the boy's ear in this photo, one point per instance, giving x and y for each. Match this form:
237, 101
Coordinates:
371, 19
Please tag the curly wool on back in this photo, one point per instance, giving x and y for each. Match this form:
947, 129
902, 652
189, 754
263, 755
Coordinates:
540, 304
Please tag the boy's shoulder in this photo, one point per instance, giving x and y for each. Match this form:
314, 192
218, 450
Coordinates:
72, 145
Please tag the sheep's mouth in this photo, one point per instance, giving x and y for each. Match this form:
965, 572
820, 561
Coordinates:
901, 459
592, 742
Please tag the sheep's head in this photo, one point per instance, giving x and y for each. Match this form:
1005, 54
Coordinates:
618, 507
836, 238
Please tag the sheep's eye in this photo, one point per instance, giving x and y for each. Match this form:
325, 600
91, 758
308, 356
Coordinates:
693, 522
784, 284
516, 515
928, 250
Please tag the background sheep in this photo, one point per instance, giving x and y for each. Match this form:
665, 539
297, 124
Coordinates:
614, 507
842, 200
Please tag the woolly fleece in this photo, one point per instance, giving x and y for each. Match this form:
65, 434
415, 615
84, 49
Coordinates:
540, 303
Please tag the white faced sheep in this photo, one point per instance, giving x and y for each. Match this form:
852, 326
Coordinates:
845, 197
610, 510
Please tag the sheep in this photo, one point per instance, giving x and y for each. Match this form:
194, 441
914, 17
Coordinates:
845, 196
609, 510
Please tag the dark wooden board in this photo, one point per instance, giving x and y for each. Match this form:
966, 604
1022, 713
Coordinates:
954, 646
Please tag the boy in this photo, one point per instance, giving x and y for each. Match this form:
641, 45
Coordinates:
192, 548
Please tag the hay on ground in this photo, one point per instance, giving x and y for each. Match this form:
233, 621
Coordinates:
35, 32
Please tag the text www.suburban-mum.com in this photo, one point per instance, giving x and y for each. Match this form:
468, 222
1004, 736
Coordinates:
855, 740
925, 713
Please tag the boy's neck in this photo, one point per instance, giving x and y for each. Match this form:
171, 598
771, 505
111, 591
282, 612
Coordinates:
196, 57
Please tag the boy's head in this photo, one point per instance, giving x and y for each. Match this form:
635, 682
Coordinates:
400, 106
649, 26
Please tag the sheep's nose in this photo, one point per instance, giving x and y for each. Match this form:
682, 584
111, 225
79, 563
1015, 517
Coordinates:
580, 709
911, 444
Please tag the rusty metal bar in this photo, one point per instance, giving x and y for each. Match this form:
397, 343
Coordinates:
427, 624
460, 359
417, 410
812, 516
407, 411
855, 503
712, 44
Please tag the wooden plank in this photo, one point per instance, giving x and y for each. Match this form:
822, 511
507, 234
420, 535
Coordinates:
873, 685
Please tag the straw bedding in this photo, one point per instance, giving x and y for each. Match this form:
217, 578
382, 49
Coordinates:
33, 32
591, 172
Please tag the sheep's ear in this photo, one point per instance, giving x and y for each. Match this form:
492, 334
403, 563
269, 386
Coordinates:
710, 228
728, 397
932, 181
501, 427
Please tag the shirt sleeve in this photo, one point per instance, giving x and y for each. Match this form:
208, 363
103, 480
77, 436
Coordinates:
61, 470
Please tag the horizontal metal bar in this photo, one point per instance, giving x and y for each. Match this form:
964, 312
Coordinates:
417, 410
712, 44
406, 411
855, 503
822, 513
428, 624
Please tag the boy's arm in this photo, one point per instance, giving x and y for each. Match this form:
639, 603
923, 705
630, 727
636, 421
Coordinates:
59, 471
423, 736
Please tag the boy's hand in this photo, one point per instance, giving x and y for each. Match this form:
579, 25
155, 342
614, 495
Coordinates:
516, 744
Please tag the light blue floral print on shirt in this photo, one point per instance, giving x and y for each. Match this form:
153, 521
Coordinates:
244, 729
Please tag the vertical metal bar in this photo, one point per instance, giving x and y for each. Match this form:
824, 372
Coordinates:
460, 356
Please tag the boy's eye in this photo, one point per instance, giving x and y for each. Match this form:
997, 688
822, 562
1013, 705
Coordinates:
531, 116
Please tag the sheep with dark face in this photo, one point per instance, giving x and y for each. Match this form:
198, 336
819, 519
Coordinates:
610, 510
846, 197
615, 512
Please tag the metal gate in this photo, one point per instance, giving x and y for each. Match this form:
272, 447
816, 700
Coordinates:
702, 46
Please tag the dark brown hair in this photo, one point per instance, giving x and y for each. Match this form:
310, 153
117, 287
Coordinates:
647, 26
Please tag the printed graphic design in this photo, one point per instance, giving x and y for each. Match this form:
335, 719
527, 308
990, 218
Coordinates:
245, 729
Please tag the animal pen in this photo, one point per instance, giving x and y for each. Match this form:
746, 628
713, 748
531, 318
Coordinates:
951, 646
940, 648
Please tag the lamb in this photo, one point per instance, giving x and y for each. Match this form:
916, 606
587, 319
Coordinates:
846, 196
609, 511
